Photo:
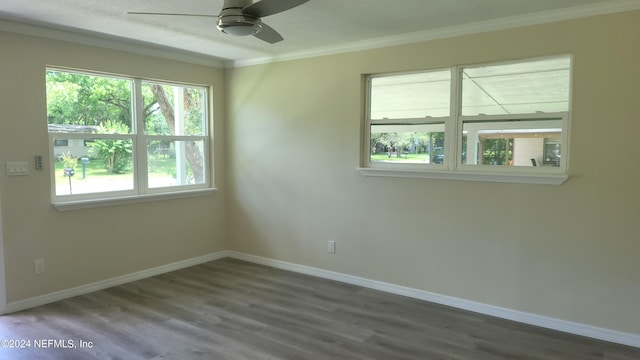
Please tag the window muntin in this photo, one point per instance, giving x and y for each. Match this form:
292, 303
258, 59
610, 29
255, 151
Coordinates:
118, 143
494, 113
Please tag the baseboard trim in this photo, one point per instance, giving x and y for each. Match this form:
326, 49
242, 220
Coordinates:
486, 309
104, 284
500, 312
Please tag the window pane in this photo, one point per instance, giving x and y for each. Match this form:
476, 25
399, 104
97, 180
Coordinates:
512, 142
174, 110
411, 96
408, 143
527, 87
175, 163
92, 165
79, 103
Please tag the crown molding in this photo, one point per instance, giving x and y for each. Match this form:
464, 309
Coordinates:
511, 22
142, 48
113, 43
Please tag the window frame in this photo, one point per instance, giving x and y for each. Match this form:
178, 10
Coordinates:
402, 121
452, 167
141, 191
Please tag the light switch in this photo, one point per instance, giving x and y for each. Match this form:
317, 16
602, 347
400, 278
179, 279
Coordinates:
17, 168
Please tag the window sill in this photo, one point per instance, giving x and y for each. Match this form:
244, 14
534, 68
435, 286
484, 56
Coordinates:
94, 203
529, 178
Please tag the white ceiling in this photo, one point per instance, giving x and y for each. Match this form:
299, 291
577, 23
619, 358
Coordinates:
318, 26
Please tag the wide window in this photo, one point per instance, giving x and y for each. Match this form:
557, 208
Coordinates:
507, 119
116, 137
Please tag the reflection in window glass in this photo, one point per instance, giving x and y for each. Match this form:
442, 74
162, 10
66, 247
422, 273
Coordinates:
520, 88
407, 143
175, 163
527, 142
406, 96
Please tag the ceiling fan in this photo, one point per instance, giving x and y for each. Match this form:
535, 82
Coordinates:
243, 17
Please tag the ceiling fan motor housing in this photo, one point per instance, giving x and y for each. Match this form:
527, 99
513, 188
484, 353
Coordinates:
232, 20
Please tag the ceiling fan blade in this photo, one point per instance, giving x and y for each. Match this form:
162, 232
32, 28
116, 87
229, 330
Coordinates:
167, 14
268, 34
270, 7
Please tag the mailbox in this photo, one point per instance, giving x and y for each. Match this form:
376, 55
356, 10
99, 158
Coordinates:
84, 161
69, 172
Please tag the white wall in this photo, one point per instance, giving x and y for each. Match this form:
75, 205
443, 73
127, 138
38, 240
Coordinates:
85, 246
3, 295
568, 252
525, 149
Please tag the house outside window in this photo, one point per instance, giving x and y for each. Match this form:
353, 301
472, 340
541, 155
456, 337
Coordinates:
113, 137
493, 122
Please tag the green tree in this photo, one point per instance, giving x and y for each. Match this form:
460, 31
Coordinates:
495, 151
77, 99
419, 142
193, 105
115, 153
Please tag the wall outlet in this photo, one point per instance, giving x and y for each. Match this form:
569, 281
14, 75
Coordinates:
331, 247
39, 266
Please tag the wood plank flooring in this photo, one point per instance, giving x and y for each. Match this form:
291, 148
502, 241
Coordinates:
229, 309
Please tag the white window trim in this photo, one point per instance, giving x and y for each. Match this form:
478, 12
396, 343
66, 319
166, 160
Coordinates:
452, 168
140, 191
132, 199
548, 179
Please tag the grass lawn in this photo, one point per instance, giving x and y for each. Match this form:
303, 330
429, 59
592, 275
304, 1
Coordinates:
413, 158
159, 166
97, 179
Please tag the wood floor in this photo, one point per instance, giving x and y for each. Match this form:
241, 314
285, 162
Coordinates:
229, 309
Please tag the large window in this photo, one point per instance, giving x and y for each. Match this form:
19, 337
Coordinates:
112, 136
504, 119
